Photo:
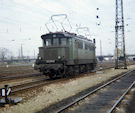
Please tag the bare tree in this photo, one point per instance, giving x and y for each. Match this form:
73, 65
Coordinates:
3, 53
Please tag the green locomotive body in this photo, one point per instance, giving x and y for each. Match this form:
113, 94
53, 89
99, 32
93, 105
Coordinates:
65, 54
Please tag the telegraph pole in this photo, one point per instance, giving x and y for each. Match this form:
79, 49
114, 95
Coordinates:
119, 35
21, 51
100, 48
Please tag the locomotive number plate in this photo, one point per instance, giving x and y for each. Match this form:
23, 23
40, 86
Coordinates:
50, 61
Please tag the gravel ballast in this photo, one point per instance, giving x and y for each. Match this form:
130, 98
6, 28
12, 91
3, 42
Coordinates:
53, 93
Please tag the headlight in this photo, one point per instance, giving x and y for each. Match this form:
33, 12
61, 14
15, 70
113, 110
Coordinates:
59, 57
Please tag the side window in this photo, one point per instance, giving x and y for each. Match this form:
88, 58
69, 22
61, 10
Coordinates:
48, 42
91, 48
70, 41
80, 44
76, 43
86, 46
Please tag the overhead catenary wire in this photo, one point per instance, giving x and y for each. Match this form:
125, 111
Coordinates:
23, 7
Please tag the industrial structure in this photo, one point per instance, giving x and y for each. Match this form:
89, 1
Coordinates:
120, 54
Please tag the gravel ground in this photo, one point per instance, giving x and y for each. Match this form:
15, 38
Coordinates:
47, 95
130, 107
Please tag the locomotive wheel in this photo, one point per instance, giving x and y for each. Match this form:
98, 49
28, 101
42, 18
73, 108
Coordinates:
81, 68
70, 71
86, 69
52, 76
64, 76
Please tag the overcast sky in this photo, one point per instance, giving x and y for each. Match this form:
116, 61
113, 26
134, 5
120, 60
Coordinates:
23, 22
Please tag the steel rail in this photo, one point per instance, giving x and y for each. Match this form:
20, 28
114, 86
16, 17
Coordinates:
35, 85
28, 87
121, 98
95, 90
23, 87
18, 70
5, 78
26, 84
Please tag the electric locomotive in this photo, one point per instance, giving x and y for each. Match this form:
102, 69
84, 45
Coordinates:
65, 54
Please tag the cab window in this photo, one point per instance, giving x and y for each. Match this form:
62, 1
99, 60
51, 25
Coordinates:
48, 42
55, 42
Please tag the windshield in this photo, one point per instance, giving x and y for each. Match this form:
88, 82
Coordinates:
55, 42
48, 42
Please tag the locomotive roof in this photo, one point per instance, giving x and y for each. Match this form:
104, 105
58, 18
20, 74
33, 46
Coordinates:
64, 34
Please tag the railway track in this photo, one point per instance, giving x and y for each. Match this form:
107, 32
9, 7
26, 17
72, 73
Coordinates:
112, 110
22, 87
28, 85
17, 70
34, 83
101, 99
12, 75
20, 76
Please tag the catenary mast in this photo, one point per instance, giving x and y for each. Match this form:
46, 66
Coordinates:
120, 53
